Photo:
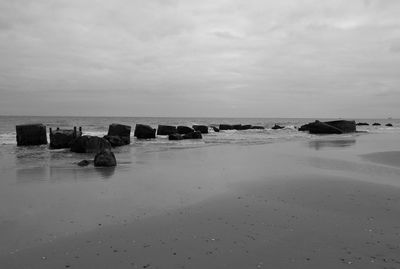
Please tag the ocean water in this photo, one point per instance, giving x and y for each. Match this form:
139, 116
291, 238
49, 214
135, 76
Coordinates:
98, 126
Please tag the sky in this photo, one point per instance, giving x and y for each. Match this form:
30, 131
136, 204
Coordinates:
208, 58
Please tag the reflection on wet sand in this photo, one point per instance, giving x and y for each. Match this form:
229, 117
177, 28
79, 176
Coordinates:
63, 174
338, 143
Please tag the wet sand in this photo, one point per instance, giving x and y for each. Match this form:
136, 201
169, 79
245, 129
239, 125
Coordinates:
304, 204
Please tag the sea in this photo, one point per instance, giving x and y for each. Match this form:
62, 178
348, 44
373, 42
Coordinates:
98, 126
39, 156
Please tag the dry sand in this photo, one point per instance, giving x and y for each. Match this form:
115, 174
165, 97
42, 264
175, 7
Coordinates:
318, 204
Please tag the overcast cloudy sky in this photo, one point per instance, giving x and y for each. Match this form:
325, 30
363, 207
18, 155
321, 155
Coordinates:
294, 58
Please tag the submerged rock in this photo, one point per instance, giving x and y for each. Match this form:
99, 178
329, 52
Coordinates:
362, 124
89, 144
184, 130
389, 125
376, 124
144, 131
277, 127
166, 130
201, 128
31, 135
105, 158
237, 127
193, 135
215, 129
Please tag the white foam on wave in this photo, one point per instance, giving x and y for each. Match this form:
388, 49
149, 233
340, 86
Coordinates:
8, 138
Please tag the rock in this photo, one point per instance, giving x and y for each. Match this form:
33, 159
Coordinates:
215, 129
277, 127
117, 141
389, 125
237, 127
31, 135
258, 127
346, 126
193, 135
89, 144
61, 139
175, 137
362, 124
119, 130
144, 131
323, 128
329, 127
166, 130
225, 127
246, 127
376, 124
116, 129
105, 158
84, 163
201, 128
184, 130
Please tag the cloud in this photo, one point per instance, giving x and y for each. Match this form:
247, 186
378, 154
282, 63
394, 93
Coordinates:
253, 54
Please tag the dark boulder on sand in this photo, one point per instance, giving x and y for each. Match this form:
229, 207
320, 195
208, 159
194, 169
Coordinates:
166, 130
237, 127
144, 131
61, 139
90, 144
201, 128
246, 127
184, 130
175, 137
258, 127
389, 125
376, 124
329, 127
31, 135
119, 134
362, 124
225, 127
215, 129
277, 127
193, 135
105, 158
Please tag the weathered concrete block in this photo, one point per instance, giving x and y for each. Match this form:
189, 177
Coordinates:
193, 135
31, 134
60, 139
166, 130
184, 130
144, 131
201, 128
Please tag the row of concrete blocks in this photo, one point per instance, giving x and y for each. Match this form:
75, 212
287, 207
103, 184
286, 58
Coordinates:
118, 134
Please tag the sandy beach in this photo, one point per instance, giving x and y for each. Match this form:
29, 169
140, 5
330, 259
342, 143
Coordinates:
326, 202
